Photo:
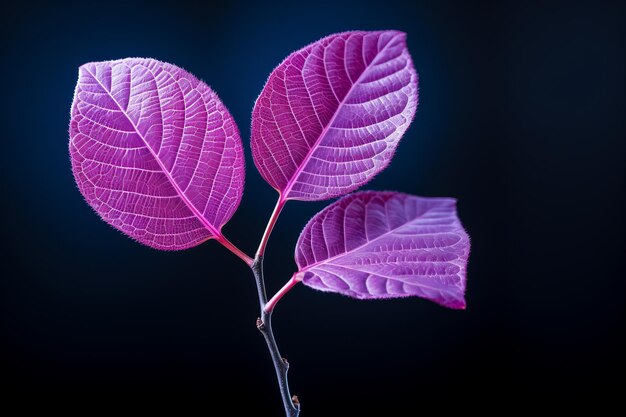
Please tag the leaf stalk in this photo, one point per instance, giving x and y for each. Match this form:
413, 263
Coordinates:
269, 307
270, 226
234, 249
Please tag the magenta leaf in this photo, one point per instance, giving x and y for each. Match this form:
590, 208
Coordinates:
155, 152
331, 114
386, 245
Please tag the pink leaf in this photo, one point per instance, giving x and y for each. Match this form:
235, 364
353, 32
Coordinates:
331, 114
386, 245
155, 152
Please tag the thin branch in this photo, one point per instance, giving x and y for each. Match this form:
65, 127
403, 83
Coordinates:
270, 226
259, 279
269, 307
264, 324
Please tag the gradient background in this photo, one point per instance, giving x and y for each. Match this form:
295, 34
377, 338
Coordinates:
521, 118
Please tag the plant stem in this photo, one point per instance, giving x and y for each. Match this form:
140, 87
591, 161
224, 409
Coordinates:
234, 249
270, 226
264, 324
269, 307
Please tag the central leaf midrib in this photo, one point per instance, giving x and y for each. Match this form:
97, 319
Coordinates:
358, 248
387, 277
180, 193
284, 193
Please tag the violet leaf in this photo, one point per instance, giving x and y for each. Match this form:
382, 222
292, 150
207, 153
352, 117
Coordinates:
155, 152
331, 114
386, 245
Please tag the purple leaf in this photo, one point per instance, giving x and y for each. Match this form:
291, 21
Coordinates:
331, 114
386, 245
155, 152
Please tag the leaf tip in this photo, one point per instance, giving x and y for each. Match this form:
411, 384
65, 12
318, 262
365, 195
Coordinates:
458, 304
396, 35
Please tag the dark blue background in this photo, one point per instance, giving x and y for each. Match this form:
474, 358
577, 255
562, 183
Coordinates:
521, 118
